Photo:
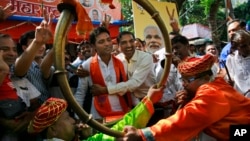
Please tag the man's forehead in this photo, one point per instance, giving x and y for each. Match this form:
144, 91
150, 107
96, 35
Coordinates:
177, 44
102, 35
85, 46
126, 37
7, 43
233, 25
152, 31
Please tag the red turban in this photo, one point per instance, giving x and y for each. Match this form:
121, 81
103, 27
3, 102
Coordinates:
47, 114
193, 65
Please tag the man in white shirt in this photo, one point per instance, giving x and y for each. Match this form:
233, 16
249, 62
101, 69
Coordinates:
138, 66
238, 62
105, 70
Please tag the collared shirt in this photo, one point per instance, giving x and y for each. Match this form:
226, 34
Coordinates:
140, 73
109, 77
25, 89
160, 56
224, 53
239, 70
173, 84
77, 62
34, 75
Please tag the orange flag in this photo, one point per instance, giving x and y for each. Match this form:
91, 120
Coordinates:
84, 23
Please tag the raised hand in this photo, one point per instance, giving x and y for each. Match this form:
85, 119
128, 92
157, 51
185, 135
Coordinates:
43, 31
155, 58
183, 97
106, 21
6, 11
155, 94
173, 21
176, 60
81, 72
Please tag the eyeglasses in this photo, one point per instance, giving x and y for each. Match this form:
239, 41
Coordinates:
190, 79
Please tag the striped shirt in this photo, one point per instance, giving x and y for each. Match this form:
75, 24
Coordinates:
34, 75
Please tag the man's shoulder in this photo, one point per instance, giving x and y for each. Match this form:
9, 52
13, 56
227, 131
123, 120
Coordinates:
226, 47
120, 56
144, 56
225, 51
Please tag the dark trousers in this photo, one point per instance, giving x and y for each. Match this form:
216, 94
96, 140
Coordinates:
162, 110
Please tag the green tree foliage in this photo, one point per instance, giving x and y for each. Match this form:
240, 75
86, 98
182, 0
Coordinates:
207, 5
242, 11
192, 12
204, 12
127, 15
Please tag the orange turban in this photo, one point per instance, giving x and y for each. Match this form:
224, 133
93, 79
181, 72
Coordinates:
47, 114
193, 66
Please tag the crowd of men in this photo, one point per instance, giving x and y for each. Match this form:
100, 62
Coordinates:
203, 96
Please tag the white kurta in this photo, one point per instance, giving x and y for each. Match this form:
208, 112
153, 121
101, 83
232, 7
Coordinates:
109, 76
239, 69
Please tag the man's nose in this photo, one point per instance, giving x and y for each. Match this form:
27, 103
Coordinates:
12, 52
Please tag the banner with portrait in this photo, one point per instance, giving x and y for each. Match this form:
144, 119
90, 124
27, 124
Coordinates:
142, 19
95, 9
29, 15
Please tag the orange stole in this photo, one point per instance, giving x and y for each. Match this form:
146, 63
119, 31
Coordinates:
101, 102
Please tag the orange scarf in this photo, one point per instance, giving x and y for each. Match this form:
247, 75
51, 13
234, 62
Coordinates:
101, 102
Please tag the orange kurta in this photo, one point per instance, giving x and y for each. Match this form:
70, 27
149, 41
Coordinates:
214, 108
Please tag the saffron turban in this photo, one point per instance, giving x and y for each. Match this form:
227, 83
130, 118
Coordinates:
47, 114
193, 65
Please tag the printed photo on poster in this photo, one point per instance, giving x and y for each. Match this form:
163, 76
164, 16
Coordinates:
153, 38
87, 3
101, 6
95, 15
143, 19
32, 7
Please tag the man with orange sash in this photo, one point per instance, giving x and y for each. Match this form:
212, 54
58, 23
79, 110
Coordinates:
139, 67
208, 104
105, 70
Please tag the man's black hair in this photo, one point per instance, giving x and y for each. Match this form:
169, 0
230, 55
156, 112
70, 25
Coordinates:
242, 22
97, 31
23, 41
179, 39
124, 33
